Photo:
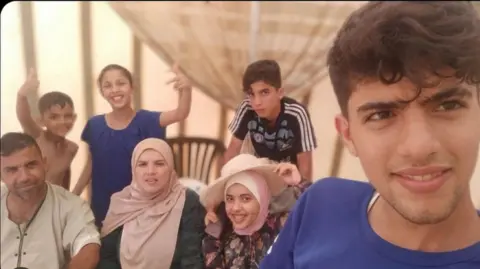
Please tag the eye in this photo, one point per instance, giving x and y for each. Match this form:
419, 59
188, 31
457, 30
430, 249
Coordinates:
380, 115
246, 198
228, 199
265, 92
141, 164
450, 105
160, 163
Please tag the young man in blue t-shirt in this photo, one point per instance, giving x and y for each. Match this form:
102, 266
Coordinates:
407, 79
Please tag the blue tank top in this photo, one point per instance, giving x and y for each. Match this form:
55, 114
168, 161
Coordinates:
111, 152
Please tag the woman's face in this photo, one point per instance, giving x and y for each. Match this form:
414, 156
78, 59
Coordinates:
241, 206
152, 172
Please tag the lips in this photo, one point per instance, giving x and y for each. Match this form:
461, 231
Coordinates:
238, 218
151, 180
117, 98
423, 180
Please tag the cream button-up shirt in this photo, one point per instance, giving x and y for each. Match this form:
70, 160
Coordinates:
61, 227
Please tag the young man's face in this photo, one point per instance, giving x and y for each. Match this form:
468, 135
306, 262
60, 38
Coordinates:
419, 156
59, 120
265, 99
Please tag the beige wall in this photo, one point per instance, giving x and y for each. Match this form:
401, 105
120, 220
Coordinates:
59, 65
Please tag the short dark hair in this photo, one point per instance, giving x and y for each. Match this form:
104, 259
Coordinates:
109, 67
53, 98
15, 141
389, 41
267, 71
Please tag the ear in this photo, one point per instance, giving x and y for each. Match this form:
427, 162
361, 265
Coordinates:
281, 92
39, 121
343, 129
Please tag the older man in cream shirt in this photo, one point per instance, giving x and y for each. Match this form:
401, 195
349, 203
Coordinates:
42, 226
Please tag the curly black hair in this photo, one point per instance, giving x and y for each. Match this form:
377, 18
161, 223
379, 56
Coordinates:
389, 41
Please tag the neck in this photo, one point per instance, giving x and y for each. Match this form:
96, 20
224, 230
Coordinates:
21, 206
275, 113
124, 113
53, 137
458, 231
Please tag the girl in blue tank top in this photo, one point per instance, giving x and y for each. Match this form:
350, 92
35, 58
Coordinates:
111, 137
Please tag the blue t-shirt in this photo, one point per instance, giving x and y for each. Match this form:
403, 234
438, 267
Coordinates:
111, 152
329, 229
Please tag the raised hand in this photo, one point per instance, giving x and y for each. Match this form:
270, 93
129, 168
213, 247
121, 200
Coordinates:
31, 83
289, 172
210, 217
180, 81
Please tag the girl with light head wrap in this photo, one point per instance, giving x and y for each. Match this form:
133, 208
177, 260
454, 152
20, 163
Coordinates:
242, 229
155, 222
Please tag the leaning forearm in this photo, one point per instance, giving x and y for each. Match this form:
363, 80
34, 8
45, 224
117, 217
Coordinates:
89, 263
86, 258
306, 171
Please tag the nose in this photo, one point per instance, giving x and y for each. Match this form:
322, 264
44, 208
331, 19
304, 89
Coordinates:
24, 174
418, 141
236, 206
151, 169
256, 101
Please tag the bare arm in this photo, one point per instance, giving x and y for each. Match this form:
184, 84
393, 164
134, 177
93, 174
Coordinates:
86, 258
304, 163
233, 149
23, 112
184, 88
85, 177
181, 112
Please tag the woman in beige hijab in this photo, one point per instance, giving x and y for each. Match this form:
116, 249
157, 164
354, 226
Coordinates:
155, 222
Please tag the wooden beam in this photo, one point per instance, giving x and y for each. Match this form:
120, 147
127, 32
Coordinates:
222, 132
87, 65
137, 72
29, 48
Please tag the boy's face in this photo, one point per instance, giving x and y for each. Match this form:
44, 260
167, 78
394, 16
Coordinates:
419, 155
59, 120
265, 99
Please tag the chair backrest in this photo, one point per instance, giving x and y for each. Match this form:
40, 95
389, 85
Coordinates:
195, 157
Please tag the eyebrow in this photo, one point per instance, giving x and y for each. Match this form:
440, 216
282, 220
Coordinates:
400, 103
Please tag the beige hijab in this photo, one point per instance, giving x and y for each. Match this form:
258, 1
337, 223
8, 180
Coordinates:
150, 222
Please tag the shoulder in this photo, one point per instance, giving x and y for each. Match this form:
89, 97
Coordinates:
336, 192
192, 208
295, 108
192, 200
67, 201
72, 147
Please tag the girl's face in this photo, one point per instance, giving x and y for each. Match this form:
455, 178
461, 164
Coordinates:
116, 89
241, 206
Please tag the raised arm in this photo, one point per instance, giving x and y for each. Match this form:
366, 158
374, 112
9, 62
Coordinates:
184, 88
24, 115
